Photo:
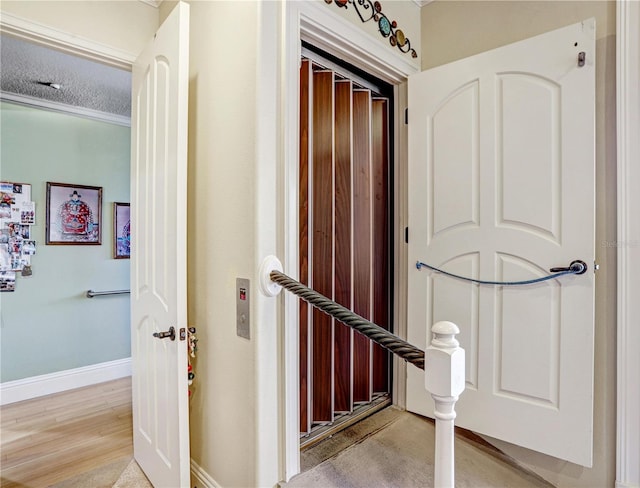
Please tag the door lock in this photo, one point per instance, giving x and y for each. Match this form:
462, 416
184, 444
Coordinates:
171, 334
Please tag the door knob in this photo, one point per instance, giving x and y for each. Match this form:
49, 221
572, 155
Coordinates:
171, 334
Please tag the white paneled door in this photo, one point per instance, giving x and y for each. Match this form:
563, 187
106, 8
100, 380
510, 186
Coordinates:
158, 260
501, 178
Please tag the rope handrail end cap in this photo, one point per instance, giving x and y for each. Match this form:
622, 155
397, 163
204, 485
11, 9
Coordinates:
445, 327
268, 287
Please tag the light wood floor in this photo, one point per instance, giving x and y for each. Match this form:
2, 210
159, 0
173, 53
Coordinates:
53, 438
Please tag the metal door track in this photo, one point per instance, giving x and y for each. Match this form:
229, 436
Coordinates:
343, 420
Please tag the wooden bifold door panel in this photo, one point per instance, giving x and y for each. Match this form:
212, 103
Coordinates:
344, 240
343, 388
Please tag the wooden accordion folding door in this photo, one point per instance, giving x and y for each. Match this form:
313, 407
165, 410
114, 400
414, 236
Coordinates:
345, 245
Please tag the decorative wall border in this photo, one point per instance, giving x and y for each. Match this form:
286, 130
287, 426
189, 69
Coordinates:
372, 10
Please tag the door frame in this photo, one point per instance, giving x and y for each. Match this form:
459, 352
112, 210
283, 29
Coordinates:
628, 246
65, 41
315, 23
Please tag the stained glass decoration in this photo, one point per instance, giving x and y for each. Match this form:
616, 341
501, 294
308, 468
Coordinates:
385, 26
368, 10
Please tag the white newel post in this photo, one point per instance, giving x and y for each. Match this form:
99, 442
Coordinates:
444, 377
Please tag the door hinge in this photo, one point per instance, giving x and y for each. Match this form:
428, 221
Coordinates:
406, 116
406, 235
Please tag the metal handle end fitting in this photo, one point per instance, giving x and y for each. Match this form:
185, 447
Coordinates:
576, 267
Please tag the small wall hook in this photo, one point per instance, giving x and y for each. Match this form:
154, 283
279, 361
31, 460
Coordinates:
582, 57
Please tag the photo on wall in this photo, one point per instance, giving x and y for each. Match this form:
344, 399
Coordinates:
7, 281
74, 214
121, 231
17, 216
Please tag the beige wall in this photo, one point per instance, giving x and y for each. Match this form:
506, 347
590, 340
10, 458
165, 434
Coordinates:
125, 25
454, 30
236, 211
221, 222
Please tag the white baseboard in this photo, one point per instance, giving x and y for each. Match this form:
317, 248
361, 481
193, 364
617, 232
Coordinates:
200, 478
36, 386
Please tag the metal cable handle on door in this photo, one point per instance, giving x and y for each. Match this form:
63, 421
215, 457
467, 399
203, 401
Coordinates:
576, 267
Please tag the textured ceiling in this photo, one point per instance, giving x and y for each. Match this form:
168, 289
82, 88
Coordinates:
27, 68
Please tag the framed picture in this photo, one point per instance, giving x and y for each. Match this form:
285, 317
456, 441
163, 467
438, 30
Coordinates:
74, 214
121, 231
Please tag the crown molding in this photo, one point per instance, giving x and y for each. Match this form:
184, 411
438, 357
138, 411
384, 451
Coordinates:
64, 108
422, 3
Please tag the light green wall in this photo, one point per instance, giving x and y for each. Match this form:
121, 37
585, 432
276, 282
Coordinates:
48, 324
